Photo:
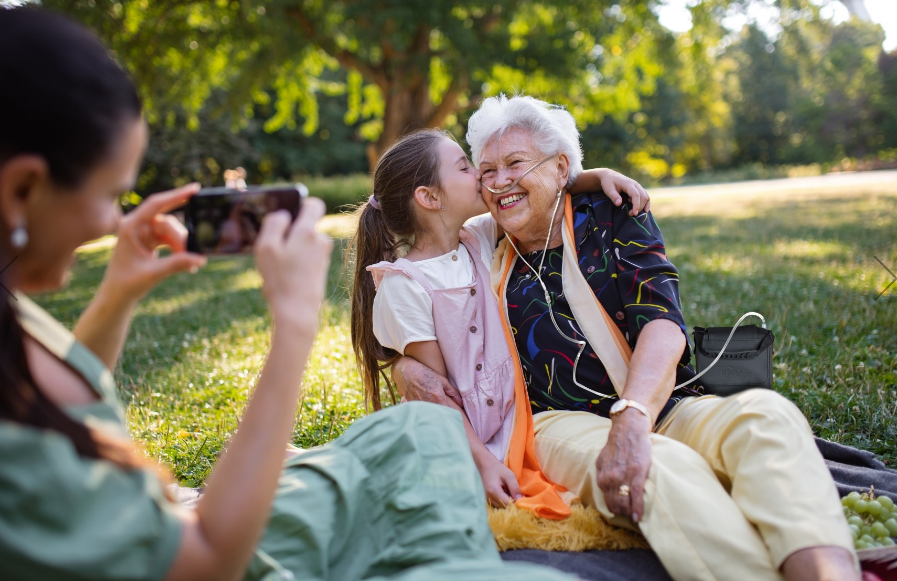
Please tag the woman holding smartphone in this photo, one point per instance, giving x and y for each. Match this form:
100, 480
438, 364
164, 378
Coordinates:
79, 500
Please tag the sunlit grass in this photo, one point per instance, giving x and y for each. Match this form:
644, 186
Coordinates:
804, 260
807, 263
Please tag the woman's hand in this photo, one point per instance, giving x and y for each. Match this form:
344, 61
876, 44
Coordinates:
135, 266
134, 269
626, 461
612, 183
293, 261
626, 458
499, 483
417, 382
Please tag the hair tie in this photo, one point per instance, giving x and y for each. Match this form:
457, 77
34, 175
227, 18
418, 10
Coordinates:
373, 202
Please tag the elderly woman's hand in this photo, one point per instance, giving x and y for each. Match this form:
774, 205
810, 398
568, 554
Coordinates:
612, 183
417, 382
624, 463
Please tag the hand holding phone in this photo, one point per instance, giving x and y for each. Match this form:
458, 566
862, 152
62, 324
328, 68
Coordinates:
293, 260
228, 220
135, 267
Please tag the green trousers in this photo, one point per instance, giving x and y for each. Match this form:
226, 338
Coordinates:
397, 496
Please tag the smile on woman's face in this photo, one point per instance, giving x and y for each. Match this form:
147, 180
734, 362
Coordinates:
459, 181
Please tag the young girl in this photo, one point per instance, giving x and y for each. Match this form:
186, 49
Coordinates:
435, 304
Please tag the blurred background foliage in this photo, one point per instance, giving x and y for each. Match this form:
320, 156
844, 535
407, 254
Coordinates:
305, 89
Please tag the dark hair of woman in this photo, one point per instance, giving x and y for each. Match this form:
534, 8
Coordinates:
408, 164
61, 97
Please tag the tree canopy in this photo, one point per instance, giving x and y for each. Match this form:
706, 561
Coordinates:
337, 78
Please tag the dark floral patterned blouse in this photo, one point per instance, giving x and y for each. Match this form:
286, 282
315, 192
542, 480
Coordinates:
624, 260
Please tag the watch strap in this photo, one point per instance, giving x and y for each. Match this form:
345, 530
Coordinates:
628, 403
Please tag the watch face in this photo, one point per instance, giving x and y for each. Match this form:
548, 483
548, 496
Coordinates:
619, 406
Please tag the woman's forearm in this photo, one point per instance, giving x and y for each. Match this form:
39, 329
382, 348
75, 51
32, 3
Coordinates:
103, 326
234, 508
626, 458
652, 370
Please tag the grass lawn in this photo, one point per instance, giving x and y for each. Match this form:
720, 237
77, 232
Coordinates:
805, 260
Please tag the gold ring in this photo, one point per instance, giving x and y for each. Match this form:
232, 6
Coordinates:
624, 490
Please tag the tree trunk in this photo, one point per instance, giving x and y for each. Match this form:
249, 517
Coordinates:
408, 107
403, 77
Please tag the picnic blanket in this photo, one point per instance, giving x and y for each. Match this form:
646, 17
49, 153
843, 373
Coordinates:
851, 469
857, 470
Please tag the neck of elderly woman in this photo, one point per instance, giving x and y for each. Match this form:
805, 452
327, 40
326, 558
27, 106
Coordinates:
534, 239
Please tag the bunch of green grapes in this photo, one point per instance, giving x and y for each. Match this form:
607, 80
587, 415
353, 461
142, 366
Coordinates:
872, 520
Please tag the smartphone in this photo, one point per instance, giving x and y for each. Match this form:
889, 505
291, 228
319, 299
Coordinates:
228, 220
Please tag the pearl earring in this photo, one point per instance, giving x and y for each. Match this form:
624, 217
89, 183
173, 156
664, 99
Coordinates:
19, 237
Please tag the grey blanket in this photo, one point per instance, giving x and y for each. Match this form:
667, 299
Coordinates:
852, 470
857, 470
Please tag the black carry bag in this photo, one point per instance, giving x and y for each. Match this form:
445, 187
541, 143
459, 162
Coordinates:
744, 363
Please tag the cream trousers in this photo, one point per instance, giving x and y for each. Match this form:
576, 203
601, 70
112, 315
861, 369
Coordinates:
736, 484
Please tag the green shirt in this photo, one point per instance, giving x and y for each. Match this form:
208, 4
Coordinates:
396, 496
63, 516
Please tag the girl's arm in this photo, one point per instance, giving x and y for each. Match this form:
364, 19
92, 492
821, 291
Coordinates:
612, 183
219, 538
498, 481
429, 353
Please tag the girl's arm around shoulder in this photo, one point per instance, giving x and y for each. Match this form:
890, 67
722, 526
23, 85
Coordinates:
612, 183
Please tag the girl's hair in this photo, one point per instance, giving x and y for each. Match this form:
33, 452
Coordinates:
410, 163
61, 97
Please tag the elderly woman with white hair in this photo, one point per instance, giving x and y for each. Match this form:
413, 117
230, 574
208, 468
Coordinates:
722, 488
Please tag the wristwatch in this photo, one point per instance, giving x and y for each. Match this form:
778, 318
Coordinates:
622, 404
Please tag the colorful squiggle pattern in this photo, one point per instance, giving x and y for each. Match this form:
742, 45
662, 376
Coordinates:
624, 260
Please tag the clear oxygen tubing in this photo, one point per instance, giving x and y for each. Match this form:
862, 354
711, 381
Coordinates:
513, 184
548, 300
582, 343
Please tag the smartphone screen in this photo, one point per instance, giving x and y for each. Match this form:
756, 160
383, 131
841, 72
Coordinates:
228, 220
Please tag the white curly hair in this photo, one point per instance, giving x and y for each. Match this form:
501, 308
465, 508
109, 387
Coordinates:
551, 127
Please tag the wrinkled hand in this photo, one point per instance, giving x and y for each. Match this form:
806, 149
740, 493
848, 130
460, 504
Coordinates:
613, 183
293, 260
135, 266
626, 459
499, 483
417, 382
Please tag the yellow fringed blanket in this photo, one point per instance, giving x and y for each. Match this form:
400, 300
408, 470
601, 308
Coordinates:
585, 529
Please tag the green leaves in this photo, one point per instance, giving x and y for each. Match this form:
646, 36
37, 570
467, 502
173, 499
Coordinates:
649, 101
